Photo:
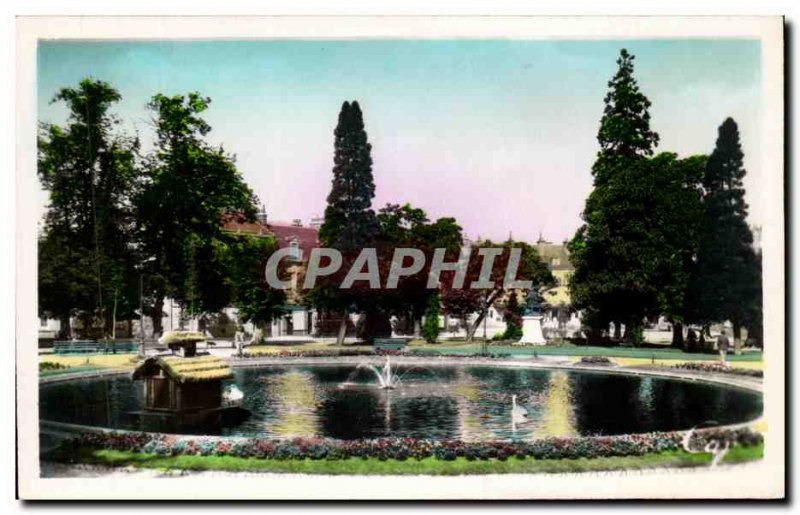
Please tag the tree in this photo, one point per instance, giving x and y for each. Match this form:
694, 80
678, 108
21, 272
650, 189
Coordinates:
190, 186
244, 261
727, 283
350, 223
461, 302
625, 126
430, 329
409, 227
610, 280
88, 166
513, 318
678, 211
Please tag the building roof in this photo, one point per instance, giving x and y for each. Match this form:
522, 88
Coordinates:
185, 370
237, 224
556, 296
181, 337
307, 237
555, 256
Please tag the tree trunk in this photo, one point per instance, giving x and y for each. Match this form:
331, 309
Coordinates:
342, 330
617, 330
158, 308
114, 325
64, 329
633, 332
417, 327
677, 335
471, 330
737, 338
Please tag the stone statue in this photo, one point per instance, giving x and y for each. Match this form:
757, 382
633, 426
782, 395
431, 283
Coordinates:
531, 304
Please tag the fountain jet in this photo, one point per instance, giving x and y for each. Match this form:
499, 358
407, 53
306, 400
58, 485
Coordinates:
386, 379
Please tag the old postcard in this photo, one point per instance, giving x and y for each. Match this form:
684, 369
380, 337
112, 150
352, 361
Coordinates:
400, 258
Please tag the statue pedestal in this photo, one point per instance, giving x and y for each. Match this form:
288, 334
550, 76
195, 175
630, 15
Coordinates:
532, 331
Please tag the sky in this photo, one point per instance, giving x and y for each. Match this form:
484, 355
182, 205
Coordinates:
500, 134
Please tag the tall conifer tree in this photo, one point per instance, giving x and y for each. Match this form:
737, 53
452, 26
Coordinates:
728, 279
610, 283
350, 223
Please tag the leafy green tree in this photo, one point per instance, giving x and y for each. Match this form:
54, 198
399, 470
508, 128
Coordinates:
244, 261
430, 328
190, 186
409, 227
462, 302
727, 284
350, 222
88, 166
611, 274
678, 213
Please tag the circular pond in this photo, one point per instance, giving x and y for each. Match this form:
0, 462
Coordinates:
457, 401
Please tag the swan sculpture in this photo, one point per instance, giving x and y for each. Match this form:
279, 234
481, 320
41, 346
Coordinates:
717, 448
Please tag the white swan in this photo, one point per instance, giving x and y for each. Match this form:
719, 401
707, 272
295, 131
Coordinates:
518, 413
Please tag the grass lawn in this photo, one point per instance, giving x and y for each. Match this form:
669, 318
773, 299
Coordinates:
88, 362
623, 355
427, 466
576, 350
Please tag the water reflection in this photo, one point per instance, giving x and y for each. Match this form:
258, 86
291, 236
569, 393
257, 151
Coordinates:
557, 414
470, 403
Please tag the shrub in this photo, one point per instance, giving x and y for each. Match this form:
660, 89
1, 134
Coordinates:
595, 360
430, 327
50, 365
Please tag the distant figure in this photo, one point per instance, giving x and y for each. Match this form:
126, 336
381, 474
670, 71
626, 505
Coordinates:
723, 344
238, 341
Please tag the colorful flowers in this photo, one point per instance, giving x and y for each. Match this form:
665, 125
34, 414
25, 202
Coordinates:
409, 448
718, 368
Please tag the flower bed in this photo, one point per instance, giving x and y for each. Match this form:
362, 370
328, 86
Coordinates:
318, 353
408, 448
595, 360
718, 368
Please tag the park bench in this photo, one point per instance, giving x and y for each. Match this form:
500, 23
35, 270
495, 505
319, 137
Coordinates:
389, 344
92, 346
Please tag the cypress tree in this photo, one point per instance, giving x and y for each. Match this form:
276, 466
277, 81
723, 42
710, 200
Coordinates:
728, 278
350, 223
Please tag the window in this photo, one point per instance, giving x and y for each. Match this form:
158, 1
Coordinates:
295, 252
555, 261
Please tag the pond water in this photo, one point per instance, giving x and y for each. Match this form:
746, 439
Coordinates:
466, 402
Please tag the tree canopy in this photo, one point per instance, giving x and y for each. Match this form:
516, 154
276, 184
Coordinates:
189, 186
88, 167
